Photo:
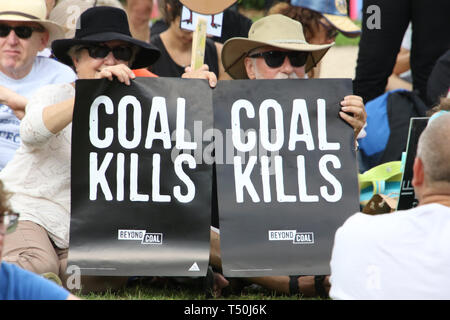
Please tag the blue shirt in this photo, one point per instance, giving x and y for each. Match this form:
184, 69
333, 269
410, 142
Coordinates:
20, 284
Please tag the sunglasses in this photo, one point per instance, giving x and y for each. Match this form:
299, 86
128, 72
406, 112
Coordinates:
9, 220
23, 32
331, 32
275, 59
123, 53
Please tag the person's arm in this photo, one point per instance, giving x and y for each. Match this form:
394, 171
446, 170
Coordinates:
57, 116
13, 100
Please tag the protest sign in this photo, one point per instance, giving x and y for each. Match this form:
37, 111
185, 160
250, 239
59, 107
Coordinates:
407, 198
289, 179
140, 205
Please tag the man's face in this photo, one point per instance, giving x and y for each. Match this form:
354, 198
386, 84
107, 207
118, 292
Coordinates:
16, 54
257, 68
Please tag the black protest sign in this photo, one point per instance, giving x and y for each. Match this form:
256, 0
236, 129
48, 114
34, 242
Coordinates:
141, 203
287, 178
407, 198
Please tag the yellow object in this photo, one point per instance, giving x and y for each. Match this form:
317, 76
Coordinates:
198, 44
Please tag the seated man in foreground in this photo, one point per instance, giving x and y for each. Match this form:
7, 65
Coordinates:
404, 254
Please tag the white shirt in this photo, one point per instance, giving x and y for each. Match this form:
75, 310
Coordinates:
38, 176
400, 255
44, 71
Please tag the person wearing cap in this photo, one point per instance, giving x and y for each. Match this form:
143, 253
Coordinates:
38, 178
403, 255
322, 20
276, 49
16, 283
24, 31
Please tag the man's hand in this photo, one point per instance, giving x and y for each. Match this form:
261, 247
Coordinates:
353, 112
202, 73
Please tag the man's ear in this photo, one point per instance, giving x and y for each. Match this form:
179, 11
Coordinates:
45, 36
418, 173
250, 68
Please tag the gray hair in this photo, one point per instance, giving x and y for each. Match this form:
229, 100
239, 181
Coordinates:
434, 150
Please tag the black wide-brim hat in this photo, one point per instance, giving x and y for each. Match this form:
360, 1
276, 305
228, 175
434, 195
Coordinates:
102, 24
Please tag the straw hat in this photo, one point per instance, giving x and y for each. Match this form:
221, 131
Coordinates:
274, 30
335, 11
30, 11
102, 24
207, 7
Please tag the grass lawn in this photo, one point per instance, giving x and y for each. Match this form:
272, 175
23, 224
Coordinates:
170, 291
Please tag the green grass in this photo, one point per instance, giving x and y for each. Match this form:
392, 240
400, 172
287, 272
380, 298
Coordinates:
342, 40
181, 292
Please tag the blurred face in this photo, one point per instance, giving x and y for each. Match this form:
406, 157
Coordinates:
184, 36
258, 68
323, 33
17, 54
87, 66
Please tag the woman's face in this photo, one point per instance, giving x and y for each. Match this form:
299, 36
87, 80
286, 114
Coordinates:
87, 67
323, 32
184, 36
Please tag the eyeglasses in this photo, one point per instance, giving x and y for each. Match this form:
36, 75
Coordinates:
23, 32
123, 53
9, 220
331, 32
275, 59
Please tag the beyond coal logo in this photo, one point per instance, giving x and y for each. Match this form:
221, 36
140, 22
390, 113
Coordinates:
140, 235
292, 235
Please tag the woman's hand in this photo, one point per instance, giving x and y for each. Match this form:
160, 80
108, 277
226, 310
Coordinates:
120, 71
202, 73
353, 112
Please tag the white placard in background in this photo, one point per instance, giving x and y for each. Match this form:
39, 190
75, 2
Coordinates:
189, 21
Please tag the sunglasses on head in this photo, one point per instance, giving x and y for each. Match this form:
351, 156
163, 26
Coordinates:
23, 32
123, 53
275, 59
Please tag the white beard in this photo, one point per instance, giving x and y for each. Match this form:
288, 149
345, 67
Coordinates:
279, 75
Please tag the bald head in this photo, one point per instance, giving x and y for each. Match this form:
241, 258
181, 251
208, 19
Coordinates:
434, 151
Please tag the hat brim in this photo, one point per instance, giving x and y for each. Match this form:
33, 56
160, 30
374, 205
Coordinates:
344, 24
235, 50
55, 30
147, 55
207, 7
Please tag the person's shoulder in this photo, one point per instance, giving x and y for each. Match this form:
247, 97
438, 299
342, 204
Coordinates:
23, 284
51, 65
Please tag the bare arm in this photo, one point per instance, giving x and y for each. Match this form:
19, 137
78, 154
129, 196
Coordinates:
13, 100
57, 116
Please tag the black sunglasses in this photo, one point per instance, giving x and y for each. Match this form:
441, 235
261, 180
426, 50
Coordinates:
23, 32
275, 59
123, 53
